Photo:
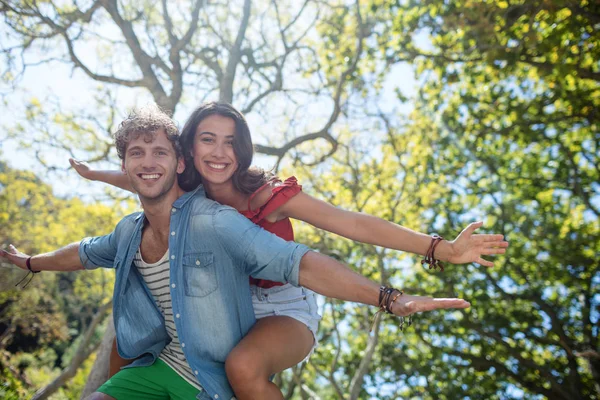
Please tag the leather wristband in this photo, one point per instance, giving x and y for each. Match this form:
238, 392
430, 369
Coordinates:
28, 263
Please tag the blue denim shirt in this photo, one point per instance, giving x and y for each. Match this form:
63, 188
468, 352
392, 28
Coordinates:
213, 250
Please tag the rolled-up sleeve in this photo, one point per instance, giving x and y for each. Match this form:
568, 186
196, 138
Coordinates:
261, 254
99, 251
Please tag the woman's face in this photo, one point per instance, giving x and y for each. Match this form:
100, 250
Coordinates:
213, 152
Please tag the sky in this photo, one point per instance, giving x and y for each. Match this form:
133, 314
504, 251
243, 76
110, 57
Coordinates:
71, 89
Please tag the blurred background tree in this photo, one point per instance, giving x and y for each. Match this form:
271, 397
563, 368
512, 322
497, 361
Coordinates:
503, 125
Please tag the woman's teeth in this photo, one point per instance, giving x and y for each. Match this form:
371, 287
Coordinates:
217, 166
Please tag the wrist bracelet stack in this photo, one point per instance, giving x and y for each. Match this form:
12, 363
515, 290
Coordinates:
387, 297
430, 255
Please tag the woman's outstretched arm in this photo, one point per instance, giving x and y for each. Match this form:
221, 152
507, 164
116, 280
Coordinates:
112, 177
466, 248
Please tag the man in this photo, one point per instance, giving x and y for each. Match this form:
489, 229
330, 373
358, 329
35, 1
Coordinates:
181, 292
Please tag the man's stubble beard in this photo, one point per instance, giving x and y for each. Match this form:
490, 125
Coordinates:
166, 188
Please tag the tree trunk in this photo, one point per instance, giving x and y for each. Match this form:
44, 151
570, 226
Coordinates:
99, 373
83, 352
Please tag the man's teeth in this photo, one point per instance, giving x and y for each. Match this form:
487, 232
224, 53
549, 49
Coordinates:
217, 166
150, 176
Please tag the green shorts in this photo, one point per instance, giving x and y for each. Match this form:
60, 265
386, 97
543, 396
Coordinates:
157, 381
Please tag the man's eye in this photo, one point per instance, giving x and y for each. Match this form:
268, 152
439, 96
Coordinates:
161, 153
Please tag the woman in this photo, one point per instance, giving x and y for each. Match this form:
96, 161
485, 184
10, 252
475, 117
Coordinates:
217, 143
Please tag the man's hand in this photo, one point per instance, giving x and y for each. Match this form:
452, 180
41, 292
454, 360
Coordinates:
406, 304
82, 168
15, 257
469, 247
64, 259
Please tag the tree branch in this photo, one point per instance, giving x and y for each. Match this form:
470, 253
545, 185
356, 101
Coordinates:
82, 353
235, 54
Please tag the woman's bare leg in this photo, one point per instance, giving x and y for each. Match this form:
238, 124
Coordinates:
272, 345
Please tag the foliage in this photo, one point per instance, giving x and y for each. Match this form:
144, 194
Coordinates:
39, 322
504, 127
508, 106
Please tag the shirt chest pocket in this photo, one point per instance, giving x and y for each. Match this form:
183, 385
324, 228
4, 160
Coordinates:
199, 274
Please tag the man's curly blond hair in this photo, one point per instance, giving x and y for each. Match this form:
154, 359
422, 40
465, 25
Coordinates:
148, 121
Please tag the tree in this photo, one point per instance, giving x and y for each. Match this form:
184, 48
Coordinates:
262, 56
54, 308
504, 126
509, 106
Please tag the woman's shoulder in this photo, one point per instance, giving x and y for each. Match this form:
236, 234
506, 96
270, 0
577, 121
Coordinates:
275, 192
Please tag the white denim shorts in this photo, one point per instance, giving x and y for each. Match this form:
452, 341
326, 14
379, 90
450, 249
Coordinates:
295, 302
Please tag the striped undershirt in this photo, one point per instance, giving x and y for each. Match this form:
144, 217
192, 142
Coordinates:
157, 278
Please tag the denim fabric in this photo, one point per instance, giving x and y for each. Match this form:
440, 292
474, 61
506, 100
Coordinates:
213, 250
287, 300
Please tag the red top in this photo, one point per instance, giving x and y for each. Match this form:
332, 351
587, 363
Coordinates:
280, 195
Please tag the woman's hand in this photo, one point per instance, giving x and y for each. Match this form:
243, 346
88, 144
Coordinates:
82, 168
469, 247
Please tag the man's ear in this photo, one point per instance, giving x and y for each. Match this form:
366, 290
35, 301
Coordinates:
123, 167
180, 165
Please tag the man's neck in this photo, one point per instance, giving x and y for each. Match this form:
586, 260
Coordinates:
158, 212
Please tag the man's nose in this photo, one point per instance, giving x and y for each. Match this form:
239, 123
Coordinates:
149, 161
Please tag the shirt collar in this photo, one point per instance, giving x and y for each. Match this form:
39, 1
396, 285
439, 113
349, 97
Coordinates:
181, 201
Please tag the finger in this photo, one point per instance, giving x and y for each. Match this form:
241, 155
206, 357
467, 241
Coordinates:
473, 226
496, 244
489, 252
436, 304
488, 243
485, 263
488, 237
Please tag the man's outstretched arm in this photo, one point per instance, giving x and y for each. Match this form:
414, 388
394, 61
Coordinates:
63, 259
331, 278
266, 256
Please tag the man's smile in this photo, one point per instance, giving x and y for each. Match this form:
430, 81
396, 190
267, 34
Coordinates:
148, 177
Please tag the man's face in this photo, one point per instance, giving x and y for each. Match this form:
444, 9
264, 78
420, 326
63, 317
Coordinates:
152, 166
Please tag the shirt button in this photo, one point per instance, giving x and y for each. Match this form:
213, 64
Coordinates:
197, 262
172, 257
196, 372
173, 210
216, 396
177, 315
173, 233
182, 344
173, 286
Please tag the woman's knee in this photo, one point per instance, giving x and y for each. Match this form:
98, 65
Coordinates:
245, 364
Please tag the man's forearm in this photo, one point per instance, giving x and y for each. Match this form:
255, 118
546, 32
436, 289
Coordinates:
63, 259
330, 278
